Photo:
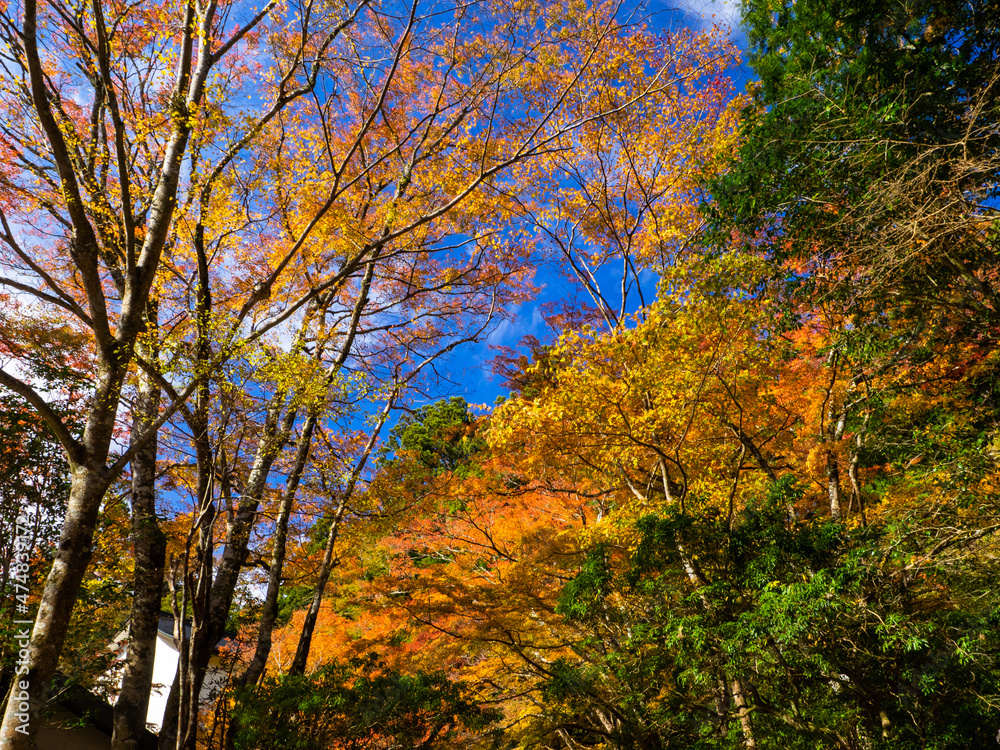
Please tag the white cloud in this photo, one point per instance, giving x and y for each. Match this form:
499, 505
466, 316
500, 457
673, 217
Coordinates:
703, 14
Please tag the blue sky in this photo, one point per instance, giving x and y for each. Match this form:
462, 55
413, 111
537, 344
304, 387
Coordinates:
471, 375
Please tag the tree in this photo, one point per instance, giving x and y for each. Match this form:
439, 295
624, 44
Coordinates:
34, 474
767, 514
617, 205
440, 436
832, 652
867, 160
680, 403
108, 203
101, 210
358, 704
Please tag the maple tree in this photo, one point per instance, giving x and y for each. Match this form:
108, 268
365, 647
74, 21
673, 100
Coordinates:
34, 475
621, 196
695, 621
770, 574
459, 522
453, 280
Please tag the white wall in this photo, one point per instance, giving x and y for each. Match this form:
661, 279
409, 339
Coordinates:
164, 669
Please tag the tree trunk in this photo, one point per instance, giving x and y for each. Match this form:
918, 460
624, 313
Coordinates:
833, 462
298, 666
269, 613
833, 483
88, 486
198, 585
234, 554
309, 624
89, 481
150, 549
697, 578
743, 714
197, 643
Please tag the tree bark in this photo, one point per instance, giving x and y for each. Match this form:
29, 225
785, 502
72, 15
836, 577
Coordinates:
743, 714
150, 550
196, 640
833, 483
298, 666
199, 642
269, 614
56, 605
277, 427
88, 456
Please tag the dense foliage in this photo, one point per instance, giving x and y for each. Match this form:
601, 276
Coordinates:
440, 436
744, 491
358, 704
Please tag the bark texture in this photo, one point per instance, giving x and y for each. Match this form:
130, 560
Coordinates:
150, 551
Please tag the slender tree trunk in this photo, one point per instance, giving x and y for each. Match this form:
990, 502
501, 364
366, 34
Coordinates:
150, 550
834, 420
269, 613
238, 532
720, 700
833, 464
199, 643
234, 554
833, 483
852, 475
196, 640
852, 470
236, 550
198, 587
743, 714
697, 577
277, 427
298, 666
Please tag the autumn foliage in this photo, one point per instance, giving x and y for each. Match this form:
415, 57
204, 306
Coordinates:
743, 491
